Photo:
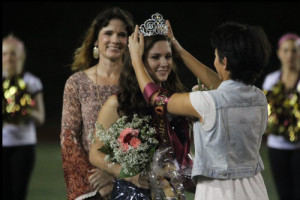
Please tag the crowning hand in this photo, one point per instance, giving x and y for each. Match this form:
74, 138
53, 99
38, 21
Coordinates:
136, 45
170, 35
170, 32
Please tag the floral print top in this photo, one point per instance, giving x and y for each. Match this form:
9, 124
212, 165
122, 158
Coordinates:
80, 111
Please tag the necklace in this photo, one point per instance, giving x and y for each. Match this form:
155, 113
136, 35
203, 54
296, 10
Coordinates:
97, 89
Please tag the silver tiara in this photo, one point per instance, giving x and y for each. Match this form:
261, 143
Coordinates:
154, 26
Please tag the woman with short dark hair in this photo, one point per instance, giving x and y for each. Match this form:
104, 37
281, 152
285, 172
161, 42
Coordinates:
232, 117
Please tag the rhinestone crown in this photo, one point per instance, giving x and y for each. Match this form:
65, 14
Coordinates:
154, 26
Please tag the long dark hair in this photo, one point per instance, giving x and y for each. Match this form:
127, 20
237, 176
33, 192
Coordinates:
83, 57
130, 97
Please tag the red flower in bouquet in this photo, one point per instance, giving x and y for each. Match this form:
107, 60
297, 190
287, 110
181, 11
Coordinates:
130, 143
135, 142
129, 137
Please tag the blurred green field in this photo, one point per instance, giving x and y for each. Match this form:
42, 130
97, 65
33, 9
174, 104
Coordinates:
47, 182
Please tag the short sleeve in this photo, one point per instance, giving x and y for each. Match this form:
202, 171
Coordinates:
271, 80
204, 104
33, 83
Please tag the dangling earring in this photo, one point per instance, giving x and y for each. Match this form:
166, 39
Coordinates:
95, 52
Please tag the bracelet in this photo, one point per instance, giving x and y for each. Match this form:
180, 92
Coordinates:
173, 38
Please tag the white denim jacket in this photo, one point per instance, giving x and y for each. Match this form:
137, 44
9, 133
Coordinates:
230, 148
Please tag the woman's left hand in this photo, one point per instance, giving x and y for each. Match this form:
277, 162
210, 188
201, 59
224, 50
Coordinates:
99, 179
136, 45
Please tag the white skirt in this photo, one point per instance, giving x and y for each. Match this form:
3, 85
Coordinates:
252, 188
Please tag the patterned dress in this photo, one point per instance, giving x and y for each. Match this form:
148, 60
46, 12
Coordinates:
80, 111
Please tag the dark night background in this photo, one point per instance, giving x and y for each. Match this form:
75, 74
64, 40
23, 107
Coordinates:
52, 31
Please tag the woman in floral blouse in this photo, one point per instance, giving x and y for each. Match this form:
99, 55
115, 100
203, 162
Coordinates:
98, 63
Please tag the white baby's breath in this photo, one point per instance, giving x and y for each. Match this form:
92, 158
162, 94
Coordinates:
135, 159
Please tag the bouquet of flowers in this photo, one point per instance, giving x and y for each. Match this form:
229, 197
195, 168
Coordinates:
17, 103
129, 143
133, 144
284, 113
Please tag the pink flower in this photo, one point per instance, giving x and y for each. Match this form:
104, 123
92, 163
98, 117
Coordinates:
135, 142
129, 136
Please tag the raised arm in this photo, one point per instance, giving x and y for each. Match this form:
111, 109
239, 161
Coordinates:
207, 76
179, 104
